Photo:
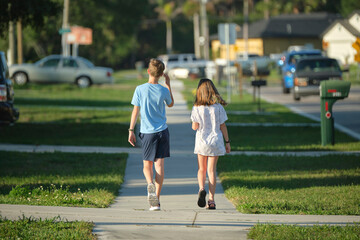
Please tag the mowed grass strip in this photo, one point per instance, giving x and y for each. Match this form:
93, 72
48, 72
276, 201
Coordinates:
327, 185
61, 179
30, 228
272, 113
107, 95
318, 232
71, 134
287, 139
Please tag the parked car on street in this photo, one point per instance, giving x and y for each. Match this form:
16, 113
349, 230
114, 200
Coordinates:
311, 71
8, 114
289, 66
187, 62
61, 69
248, 64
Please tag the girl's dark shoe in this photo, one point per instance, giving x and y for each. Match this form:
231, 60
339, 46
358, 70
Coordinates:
211, 205
201, 200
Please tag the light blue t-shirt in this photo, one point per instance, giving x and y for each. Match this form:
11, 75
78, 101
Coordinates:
151, 99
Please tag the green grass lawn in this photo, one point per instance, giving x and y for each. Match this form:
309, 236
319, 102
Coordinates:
327, 185
63, 114
287, 139
116, 95
61, 179
317, 232
29, 228
272, 138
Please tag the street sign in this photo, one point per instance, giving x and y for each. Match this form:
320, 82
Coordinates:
356, 45
231, 33
64, 30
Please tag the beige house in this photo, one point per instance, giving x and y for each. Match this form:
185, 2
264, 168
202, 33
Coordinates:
276, 34
339, 37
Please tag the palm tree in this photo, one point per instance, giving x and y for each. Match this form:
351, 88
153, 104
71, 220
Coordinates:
167, 12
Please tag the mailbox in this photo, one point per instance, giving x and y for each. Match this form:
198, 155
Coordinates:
330, 92
334, 89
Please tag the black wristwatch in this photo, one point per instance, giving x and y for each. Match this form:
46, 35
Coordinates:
227, 141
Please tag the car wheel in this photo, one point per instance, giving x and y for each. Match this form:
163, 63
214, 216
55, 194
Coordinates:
20, 78
286, 90
83, 82
296, 96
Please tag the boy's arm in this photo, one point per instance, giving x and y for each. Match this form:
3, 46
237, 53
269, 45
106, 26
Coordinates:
167, 83
134, 116
224, 131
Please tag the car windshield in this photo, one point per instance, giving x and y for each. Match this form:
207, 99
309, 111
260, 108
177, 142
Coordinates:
86, 62
318, 65
296, 57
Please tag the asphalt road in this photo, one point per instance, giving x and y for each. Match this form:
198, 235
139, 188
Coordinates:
346, 112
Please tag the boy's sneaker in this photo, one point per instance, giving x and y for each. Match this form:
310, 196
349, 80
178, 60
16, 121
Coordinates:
152, 198
156, 208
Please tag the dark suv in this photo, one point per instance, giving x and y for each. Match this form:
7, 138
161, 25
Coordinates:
311, 71
8, 114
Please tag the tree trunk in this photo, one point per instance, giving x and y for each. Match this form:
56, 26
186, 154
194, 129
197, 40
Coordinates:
168, 37
19, 43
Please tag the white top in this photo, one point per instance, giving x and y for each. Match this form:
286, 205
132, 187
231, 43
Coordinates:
209, 139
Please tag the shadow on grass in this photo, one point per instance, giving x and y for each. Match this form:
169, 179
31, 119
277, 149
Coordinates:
285, 139
46, 170
289, 172
76, 134
70, 102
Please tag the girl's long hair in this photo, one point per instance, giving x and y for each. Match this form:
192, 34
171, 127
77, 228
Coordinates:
207, 94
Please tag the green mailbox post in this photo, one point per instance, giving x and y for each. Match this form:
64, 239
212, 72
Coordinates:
330, 92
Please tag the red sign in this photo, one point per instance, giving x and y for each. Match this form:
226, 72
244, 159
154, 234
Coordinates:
331, 90
80, 35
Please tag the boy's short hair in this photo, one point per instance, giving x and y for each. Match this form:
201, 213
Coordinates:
156, 67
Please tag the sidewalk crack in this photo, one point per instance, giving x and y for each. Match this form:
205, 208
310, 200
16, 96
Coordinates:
193, 223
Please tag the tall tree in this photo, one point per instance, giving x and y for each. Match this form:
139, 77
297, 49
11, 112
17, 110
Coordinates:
30, 12
167, 12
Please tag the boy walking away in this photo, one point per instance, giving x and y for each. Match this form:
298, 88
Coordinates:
208, 119
149, 99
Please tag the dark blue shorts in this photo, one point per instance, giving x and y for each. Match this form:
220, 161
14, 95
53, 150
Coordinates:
155, 145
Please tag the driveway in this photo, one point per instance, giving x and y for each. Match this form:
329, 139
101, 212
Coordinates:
346, 112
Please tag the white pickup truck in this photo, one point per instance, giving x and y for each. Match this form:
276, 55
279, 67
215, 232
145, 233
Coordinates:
183, 60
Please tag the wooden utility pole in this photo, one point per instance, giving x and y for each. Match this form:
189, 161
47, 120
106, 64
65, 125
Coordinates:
19, 42
65, 25
245, 27
11, 54
266, 10
196, 36
204, 29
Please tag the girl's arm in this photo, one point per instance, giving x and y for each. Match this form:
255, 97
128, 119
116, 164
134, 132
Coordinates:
134, 116
195, 126
224, 131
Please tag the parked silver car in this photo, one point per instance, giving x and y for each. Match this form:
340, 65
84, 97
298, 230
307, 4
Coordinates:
56, 68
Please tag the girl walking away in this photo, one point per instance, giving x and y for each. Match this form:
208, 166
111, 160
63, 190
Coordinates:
208, 118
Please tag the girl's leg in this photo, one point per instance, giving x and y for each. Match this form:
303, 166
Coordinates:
202, 162
212, 161
148, 171
159, 175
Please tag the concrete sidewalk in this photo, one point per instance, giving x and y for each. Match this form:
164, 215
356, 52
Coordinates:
180, 217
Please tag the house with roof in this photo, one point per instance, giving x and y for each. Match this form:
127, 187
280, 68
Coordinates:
276, 34
339, 37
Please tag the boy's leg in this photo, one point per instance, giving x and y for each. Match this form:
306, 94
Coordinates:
212, 161
148, 171
159, 175
202, 162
